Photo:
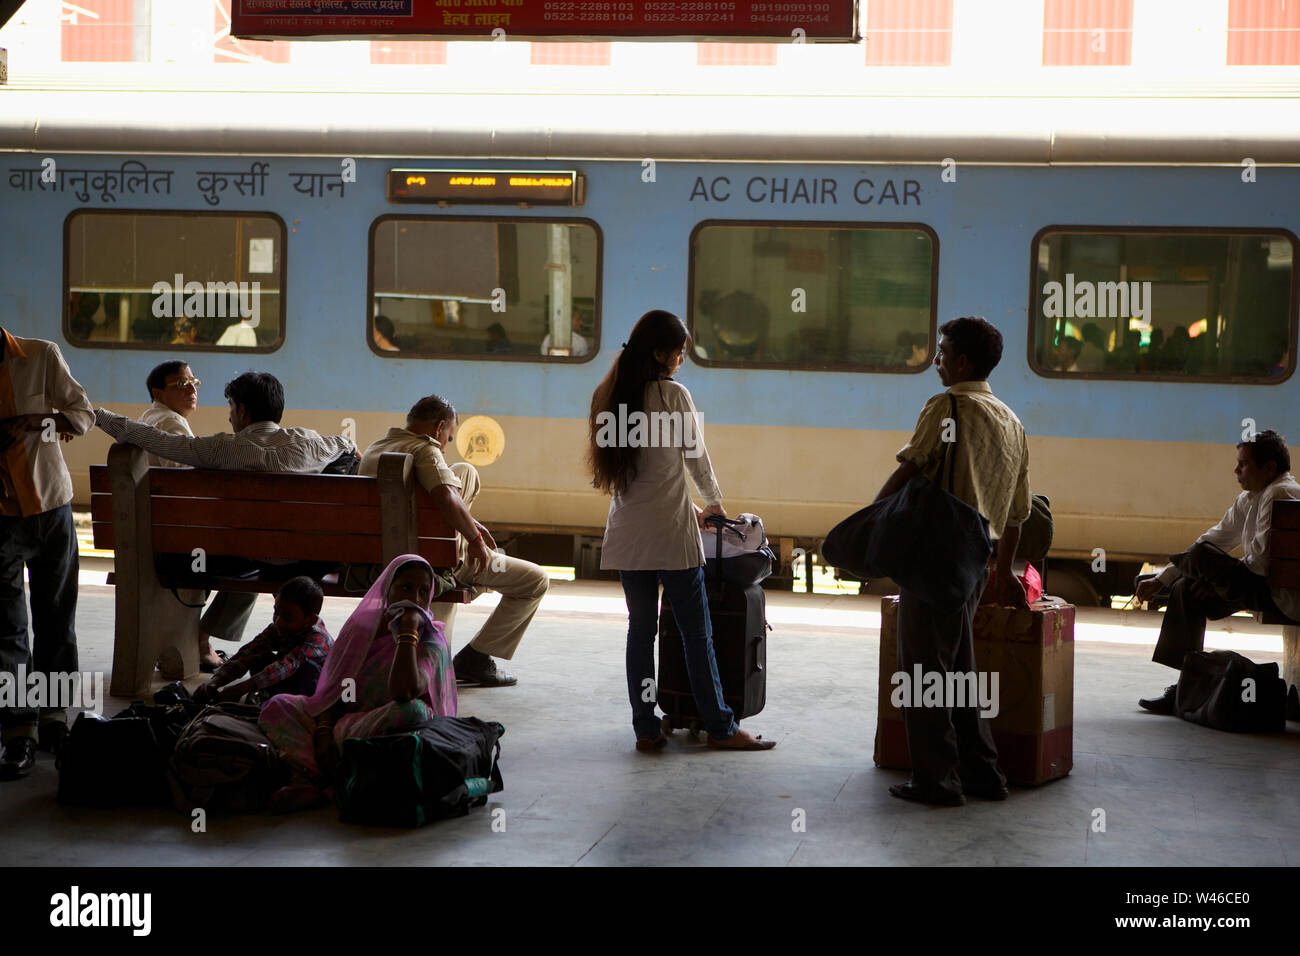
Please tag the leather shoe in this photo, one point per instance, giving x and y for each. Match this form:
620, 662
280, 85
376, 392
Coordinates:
474, 667
938, 797
19, 758
648, 745
995, 792
1164, 704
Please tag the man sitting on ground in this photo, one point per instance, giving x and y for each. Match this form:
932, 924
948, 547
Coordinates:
256, 402
1208, 583
430, 425
286, 658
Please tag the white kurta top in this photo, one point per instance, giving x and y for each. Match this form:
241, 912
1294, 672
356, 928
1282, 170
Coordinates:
651, 526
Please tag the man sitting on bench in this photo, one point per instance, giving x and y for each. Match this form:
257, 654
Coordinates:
430, 425
1209, 583
258, 444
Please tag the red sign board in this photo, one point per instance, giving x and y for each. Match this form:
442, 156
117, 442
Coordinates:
789, 20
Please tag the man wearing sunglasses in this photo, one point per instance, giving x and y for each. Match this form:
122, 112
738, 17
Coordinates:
175, 394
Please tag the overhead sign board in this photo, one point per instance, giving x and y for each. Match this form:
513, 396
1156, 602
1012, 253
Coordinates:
788, 20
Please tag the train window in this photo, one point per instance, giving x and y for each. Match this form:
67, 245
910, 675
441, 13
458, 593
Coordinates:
509, 289
1170, 304
197, 280
821, 296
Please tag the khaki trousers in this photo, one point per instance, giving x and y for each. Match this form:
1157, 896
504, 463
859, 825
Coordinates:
521, 584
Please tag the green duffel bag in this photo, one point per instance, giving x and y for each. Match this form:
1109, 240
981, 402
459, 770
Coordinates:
442, 768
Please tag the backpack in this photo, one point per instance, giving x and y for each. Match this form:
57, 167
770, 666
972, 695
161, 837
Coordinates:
1212, 684
223, 761
441, 769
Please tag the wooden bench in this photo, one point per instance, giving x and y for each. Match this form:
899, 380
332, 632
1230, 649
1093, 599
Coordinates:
140, 513
1284, 572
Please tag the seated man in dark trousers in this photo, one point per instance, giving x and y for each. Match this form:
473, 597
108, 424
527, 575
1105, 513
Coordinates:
952, 747
1208, 583
286, 658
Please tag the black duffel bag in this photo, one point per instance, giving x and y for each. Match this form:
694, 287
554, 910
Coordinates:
1213, 690
112, 763
925, 539
441, 769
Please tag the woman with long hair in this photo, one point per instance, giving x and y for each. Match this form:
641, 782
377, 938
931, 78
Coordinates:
644, 439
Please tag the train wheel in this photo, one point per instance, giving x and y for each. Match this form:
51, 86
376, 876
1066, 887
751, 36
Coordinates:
1074, 588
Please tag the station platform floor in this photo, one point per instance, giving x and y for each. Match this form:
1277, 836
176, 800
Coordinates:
577, 793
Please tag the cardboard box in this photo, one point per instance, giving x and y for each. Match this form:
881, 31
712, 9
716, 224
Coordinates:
1032, 652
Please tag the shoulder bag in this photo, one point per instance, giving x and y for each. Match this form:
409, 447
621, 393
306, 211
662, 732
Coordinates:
928, 541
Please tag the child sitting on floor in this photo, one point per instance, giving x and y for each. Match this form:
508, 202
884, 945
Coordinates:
286, 658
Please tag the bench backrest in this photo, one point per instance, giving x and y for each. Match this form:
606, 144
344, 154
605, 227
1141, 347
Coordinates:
273, 516
1284, 545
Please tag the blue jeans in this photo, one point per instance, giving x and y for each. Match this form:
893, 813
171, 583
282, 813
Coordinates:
47, 544
684, 591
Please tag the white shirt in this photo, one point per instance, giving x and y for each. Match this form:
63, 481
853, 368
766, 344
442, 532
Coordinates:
651, 526
239, 334
580, 345
262, 446
164, 419
1246, 525
34, 379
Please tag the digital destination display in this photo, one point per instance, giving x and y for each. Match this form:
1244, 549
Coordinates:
531, 187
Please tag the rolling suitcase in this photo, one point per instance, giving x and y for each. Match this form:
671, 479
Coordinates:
738, 615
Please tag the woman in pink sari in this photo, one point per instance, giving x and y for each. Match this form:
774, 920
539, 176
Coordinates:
389, 670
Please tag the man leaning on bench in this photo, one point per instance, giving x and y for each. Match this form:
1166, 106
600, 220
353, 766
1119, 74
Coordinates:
256, 401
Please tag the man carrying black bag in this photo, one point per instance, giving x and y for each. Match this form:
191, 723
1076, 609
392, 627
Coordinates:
969, 442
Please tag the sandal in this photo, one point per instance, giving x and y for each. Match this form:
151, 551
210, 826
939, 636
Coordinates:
746, 742
648, 745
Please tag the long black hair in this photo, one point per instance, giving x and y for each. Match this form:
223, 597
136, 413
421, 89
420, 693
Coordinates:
612, 465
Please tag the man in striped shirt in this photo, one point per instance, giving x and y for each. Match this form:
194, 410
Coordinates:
258, 444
